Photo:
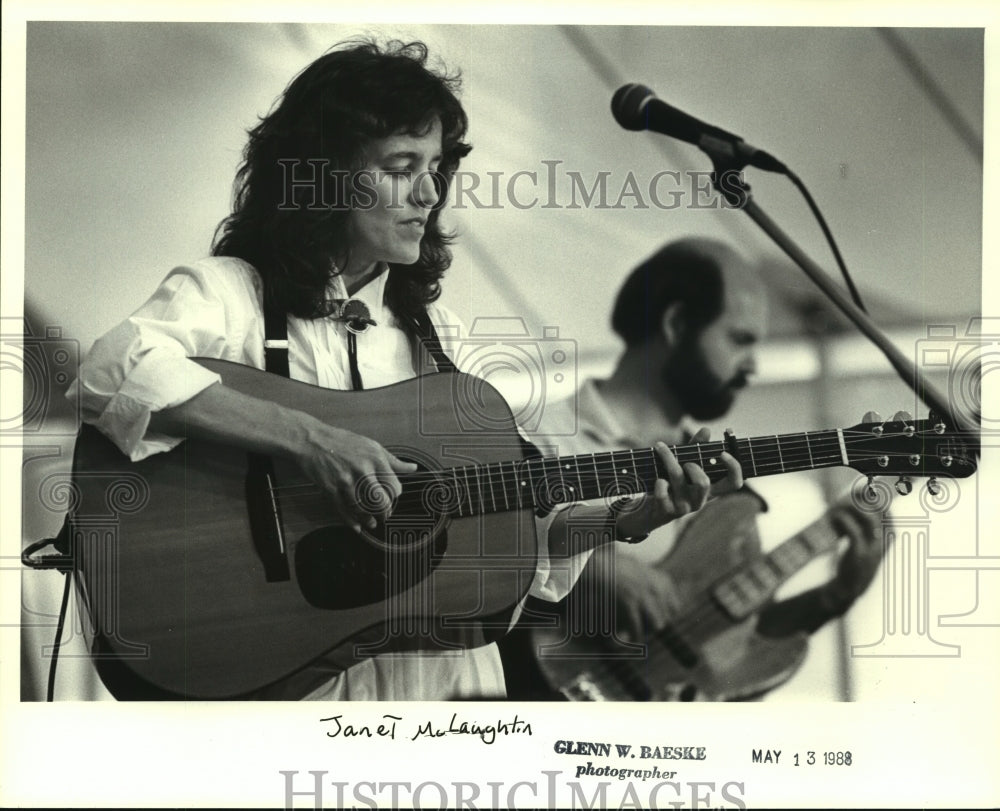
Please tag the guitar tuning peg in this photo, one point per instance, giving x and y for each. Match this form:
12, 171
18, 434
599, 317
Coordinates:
905, 418
870, 487
934, 487
871, 416
936, 421
904, 486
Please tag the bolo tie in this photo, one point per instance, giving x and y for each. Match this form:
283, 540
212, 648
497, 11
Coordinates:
357, 319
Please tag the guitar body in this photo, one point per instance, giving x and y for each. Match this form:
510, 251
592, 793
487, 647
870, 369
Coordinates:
205, 585
748, 665
704, 653
207, 572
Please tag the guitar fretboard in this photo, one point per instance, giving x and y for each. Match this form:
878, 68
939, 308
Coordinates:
545, 482
745, 592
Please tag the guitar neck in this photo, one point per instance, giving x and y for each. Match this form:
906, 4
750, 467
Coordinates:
542, 483
745, 592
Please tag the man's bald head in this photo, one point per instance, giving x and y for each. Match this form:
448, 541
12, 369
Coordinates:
703, 276
696, 310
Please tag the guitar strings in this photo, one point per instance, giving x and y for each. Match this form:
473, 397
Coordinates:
785, 455
705, 617
546, 476
592, 473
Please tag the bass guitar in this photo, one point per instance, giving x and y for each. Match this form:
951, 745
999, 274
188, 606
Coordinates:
209, 573
710, 649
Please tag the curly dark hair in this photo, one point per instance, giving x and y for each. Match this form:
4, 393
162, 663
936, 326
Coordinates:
352, 95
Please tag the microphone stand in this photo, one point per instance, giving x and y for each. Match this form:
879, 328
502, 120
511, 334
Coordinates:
737, 193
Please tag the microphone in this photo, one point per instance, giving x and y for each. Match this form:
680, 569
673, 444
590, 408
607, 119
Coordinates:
636, 107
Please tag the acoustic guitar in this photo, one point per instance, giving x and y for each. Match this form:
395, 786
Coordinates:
210, 573
710, 649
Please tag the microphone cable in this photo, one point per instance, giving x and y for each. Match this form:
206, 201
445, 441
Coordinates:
636, 107
63, 563
797, 182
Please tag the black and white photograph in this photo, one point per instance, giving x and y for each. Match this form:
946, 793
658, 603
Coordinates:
550, 406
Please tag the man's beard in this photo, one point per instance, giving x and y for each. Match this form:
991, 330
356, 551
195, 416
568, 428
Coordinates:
701, 394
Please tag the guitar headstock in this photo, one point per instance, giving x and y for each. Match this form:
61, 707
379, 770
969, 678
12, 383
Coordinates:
907, 447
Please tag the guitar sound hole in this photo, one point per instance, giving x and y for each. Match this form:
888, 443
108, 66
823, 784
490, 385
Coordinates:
338, 569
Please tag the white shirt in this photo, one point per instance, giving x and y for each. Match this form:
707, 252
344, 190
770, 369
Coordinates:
213, 308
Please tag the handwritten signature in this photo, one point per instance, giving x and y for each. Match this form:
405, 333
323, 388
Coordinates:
388, 726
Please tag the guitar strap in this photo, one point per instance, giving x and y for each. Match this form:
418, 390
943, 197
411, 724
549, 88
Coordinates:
276, 344
275, 339
428, 338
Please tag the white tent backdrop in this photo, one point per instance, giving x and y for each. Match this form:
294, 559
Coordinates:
134, 131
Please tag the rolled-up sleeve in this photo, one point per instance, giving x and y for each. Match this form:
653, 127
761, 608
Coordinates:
142, 365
